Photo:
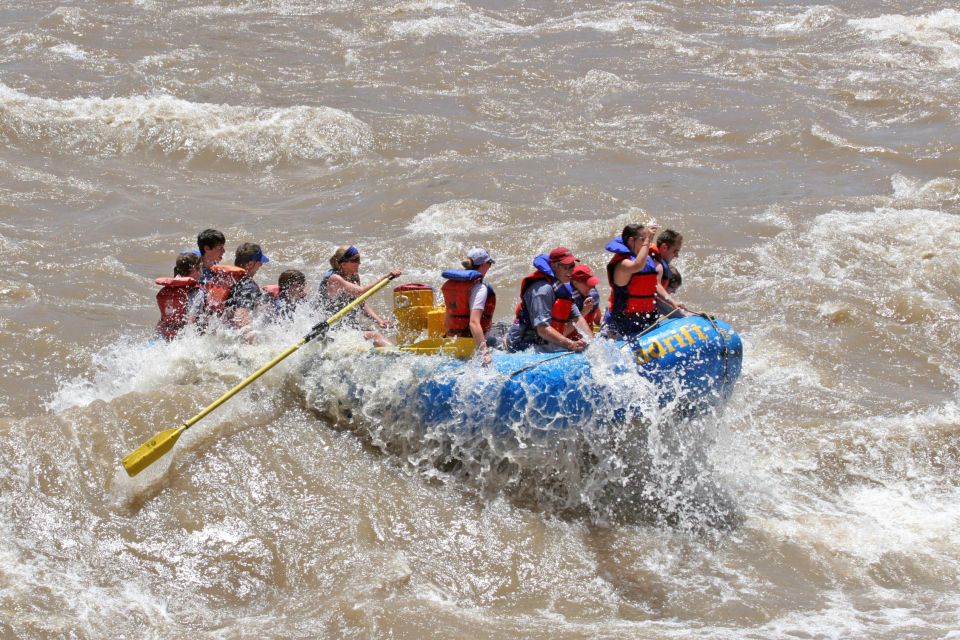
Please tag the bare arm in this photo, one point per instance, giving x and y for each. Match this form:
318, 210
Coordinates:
664, 295
373, 315
582, 326
337, 283
553, 336
477, 332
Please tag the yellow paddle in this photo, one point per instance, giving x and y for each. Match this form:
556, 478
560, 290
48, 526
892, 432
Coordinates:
154, 448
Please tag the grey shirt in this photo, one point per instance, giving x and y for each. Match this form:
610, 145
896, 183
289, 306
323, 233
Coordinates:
538, 300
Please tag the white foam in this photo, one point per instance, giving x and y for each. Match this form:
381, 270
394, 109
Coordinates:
930, 193
612, 20
459, 218
474, 25
812, 19
119, 126
822, 133
599, 83
939, 31
69, 50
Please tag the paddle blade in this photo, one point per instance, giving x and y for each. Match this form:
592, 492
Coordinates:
151, 450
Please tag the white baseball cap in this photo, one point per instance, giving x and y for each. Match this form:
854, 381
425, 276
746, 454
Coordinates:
479, 256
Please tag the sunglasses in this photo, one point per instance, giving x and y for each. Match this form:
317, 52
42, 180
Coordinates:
354, 259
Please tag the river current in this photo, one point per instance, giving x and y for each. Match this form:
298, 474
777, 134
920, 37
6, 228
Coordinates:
809, 154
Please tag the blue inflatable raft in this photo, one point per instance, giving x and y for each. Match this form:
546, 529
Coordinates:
692, 362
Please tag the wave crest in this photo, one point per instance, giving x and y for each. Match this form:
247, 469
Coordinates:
121, 126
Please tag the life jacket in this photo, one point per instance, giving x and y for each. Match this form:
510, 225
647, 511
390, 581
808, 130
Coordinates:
638, 297
562, 307
593, 317
655, 254
172, 300
456, 296
218, 286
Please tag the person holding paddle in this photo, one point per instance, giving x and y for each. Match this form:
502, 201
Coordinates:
341, 284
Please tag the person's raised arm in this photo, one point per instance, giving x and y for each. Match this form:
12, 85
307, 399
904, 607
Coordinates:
630, 266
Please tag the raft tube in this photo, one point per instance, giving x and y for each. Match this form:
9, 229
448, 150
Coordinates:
693, 362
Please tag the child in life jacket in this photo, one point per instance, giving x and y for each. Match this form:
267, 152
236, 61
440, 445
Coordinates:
585, 294
469, 301
663, 252
634, 278
180, 298
212, 245
288, 293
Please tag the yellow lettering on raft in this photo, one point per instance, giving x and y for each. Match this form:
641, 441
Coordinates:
667, 341
656, 349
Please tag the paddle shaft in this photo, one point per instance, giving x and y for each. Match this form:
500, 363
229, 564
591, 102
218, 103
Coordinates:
318, 330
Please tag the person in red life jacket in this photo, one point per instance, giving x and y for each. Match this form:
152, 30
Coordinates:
288, 293
546, 307
470, 302
216, 279
180, 298
633, 279
585, 294
212, 245
245, 296
341, 284
666, 248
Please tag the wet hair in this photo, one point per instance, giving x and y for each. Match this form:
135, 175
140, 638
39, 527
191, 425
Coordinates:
245, 253
186, 263
674, 282
210, 239
291, 278
668, 237
631, 231
336, 261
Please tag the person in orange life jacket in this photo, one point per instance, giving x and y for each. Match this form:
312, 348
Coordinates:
181, 298
546, 307
341, 284
633, 279
470, 302
585, 294
212, 246
245, 295
666, 248
288, 293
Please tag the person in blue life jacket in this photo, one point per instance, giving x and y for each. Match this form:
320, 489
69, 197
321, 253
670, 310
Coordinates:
663, 251
633, 278
469, 301
340, 284
546, 308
